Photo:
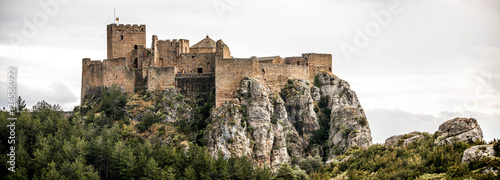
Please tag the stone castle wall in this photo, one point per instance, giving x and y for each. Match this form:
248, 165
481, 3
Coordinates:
159, 78
192, 62
229, 72
195, 85
107, 73
276, 75
91, 75
317, 63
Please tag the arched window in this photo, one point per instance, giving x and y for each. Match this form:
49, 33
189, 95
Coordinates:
135, 46
135, 63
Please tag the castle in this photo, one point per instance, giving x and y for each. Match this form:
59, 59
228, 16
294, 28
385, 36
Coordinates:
206, 66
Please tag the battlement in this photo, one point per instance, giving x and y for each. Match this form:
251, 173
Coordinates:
118, 27
173, 40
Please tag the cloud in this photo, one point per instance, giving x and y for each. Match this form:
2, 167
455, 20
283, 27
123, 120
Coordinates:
385, 122
55, 93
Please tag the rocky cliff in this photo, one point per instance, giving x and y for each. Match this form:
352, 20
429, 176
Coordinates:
304, 119
349, 126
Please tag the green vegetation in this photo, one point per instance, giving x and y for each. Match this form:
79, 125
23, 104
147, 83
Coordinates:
320, 136
101, 141
421, 159
317, 82
48, 146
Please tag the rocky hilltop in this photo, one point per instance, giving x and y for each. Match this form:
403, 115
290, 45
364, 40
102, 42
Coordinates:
323, 118
461, 129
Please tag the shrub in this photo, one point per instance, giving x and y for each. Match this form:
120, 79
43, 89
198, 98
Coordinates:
148, 120
317, 82
457, 170
496, 147
311, 164
362, 121
323, 101
300, 174
179, 97
285, 172
181, 109
274, 119
113, 102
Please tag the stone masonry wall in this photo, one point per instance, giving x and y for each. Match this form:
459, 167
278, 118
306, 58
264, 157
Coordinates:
276, 75
91, 75
192, 61
159, 78
115, 71
318, 62
195, 85
296, 60
229, 72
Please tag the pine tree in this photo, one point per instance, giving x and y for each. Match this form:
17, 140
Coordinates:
220, 168
151, 170
190, 173
285, 173
167, 173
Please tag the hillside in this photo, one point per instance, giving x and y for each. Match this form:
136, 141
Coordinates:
311, 130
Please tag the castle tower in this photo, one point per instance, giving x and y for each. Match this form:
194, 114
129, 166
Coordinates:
123, 39
222, 51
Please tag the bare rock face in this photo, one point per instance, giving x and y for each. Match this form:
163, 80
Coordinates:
478, 152
245, 127
174, 106
481, 151
300, 108
349, 126
459, 129
403, 139
273, 129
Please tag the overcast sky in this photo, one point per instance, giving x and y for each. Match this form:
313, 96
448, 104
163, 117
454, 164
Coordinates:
413, 63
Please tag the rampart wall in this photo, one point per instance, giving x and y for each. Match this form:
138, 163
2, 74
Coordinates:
228, 74
195, 85
159, 78
276, 75
115, 71
91, 75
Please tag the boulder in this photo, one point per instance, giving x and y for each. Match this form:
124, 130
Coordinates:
459, 129
403, 139
478, 152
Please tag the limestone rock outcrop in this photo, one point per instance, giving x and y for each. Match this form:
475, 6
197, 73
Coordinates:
478, 152
277, 128
403, 139
245, 127
459, 129
349, 126
173, 106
